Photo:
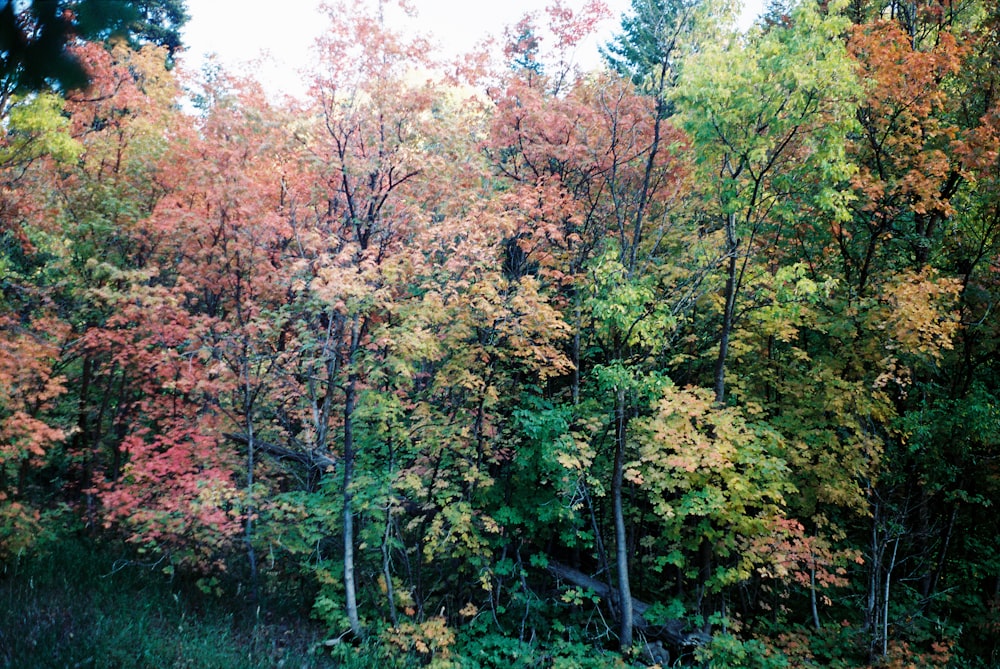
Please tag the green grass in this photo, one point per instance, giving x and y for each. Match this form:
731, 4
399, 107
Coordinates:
70, 609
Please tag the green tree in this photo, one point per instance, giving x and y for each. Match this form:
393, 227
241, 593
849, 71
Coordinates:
653, 41
34, 43
766, 114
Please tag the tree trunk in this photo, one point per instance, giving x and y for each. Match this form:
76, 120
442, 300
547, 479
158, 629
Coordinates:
705, 555
621, 548
251, 462
732, 245
943, 554
350, 589
671, 631
874, 581
885, 600
390, 594
250, 509
812, 594
577, 326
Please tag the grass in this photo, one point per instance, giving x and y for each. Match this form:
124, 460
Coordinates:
69, 609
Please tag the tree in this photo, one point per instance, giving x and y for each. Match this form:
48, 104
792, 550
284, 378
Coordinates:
898, 245
378, 156
31, 385
758, 115
597, 178
36, 42
404, 353
652, 45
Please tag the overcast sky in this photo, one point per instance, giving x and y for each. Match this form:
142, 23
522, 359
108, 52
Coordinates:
239, 31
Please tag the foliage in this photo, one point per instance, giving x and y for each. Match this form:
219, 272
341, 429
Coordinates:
77, 604
36, 39
727, 650
457, 370
711, 477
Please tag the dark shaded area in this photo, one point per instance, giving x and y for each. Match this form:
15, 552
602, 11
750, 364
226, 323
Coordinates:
84, 604
35, 41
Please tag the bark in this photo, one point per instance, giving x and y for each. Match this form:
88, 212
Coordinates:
251, 462
390, 593
577, 326
943, 554
885, 600
621, 547
874, 572
311, 458
705, 555
350, 588
732, 246
251, 510
812, 595
673, 631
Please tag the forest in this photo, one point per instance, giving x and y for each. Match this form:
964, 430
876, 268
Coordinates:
687, 360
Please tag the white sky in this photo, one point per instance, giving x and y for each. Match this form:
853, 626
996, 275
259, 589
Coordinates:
240, 31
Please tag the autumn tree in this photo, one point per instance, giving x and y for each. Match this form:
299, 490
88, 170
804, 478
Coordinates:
655, 37
597, 171
705, 338
38, 175
406, 305
781, 107
918, 119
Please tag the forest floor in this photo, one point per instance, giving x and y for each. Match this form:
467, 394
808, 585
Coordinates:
72, 608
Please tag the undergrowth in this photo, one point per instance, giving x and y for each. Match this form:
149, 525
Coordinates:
75, 607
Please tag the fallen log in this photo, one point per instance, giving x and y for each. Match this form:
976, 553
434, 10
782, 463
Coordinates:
310, 458
672, 632
321, 463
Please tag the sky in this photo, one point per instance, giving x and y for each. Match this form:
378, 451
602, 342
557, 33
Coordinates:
283, 33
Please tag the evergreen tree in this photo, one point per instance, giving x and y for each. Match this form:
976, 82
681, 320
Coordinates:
33, 42
648, 48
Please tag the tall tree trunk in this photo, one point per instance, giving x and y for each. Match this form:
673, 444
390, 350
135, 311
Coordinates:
350, 589
943, 553
812, 594
251, 506
390, 593
621, 548
86, 444
705, 555
577, 327
732, 246
874, 583
885, 600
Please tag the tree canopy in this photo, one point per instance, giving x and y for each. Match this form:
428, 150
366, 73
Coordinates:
685, 361
36, 37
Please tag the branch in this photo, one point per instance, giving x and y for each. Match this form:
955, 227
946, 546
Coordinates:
671, 631
309, 458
